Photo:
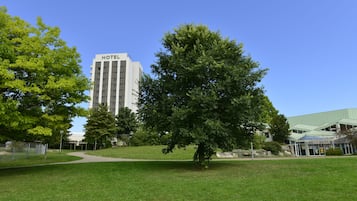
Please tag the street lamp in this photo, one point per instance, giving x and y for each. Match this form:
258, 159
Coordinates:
60, 148
251, 147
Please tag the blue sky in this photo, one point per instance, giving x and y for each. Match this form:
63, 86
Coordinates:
309, 46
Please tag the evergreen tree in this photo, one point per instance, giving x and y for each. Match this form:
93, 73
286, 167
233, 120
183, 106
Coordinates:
279, 128
126, 121
100, 127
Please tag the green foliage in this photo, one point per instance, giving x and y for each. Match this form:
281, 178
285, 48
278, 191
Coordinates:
204, 91
334, 152
126, 121
149, 152
41, 84
268, 111
273, 146
100, 127
279, 128
144, 136
258, 141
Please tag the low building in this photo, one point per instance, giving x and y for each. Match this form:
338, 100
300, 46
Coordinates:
76, 141
313, 134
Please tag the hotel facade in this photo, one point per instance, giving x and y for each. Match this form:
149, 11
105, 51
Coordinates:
115, 78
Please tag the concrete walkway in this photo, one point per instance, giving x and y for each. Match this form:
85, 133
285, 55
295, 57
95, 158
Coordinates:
93, 159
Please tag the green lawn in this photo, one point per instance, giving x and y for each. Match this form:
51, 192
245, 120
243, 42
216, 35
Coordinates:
23, 160
261, 180
146, 152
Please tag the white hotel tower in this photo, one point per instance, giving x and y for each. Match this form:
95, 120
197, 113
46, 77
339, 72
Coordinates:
115, 78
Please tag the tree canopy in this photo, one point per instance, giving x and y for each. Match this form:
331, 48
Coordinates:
279, 128
41, 81
126, 121
100, 127
268, 111
204, 91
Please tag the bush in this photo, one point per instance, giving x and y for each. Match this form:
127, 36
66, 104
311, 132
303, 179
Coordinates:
258, 141
144, 137
334, 152
273, 146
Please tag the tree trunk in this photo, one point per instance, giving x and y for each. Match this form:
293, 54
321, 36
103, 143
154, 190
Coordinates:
202, 155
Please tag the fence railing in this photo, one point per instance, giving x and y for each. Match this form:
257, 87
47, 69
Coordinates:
19, 150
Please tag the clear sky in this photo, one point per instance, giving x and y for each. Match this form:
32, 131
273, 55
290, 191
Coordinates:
309, 46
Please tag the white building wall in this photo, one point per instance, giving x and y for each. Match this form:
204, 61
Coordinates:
137, 73
132, 76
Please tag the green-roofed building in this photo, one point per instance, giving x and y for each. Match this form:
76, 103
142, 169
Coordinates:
313, 134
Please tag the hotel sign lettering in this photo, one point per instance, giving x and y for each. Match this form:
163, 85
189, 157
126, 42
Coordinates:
110, 56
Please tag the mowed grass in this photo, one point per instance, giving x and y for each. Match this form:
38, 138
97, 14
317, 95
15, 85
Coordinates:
146, 152
249, 180
22, 160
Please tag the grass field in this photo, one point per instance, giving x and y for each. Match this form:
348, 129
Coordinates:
51, 157
146, 152
262, 180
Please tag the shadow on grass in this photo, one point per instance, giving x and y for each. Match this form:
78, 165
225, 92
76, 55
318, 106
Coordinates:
147, 166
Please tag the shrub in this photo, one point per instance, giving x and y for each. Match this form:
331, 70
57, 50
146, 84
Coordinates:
334, 152
273, 146
143, 137
258, 141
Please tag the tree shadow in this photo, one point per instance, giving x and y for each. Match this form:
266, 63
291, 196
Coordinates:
156, 166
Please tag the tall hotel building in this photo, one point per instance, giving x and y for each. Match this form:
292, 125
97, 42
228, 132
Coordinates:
115, 79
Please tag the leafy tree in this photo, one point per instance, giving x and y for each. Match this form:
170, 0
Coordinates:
259, 141
279, 128
126, 121
100, 127
41, 83
144, 136
268, 111
204, 92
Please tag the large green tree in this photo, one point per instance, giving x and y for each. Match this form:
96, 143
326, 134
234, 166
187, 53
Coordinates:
41, 81
100, 127
204, 91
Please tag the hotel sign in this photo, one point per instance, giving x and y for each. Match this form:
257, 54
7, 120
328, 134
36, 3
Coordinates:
110, 57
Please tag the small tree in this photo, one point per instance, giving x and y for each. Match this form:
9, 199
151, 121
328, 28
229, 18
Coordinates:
126, 121
100, 127
259, 140
279, 128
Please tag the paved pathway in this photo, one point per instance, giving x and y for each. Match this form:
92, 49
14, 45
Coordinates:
90, 158
93, 159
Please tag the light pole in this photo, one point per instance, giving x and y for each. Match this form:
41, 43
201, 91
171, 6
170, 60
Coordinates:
251, 147
60, 148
